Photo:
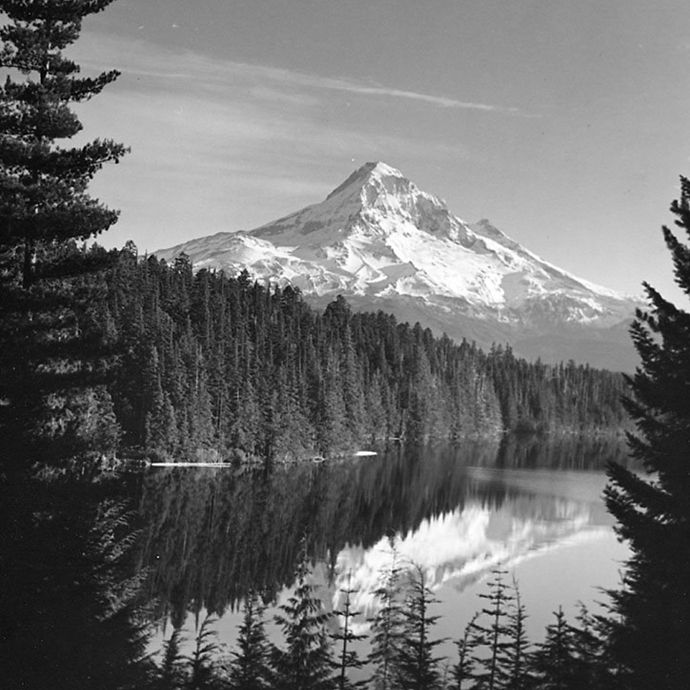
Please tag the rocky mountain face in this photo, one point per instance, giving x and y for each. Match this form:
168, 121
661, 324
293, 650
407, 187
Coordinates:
384, 244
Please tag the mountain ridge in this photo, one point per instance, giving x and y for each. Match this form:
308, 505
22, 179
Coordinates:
378, 240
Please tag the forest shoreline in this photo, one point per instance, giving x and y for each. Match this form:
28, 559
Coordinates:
212, 457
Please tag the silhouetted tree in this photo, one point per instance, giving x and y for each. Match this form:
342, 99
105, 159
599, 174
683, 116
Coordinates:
515, 655
250, 667
554, 663
593, 664
416, 668
653, 514
346, 658
44, 198
47, 351
70, 604
171, 673
493, 635
304, 663
463, 670
386, 624
202, 663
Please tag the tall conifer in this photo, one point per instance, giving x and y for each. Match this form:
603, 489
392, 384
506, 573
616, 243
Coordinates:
386, 624
653, 512
44, 198
47, 348
249, 669
347, 657
305, 661
494, 635
416, 667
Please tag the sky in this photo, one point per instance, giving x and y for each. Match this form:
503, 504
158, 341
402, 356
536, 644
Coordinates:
564, 122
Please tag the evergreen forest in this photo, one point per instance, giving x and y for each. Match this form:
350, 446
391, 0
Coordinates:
105, 355
212, 363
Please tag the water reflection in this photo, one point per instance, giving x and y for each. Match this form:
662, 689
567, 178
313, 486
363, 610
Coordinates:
458, 547
560, 452
84, 566
214, 535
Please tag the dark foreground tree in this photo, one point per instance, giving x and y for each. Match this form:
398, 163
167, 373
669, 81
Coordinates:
416, 667
69, 606
171, 675
44, 199
250, 666
344, 639
653, 512
554, 663
516, 654
463, 670
304, 663
202, 663
386, 624
45, 350
491, 633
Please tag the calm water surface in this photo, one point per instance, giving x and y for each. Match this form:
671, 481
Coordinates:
533, 508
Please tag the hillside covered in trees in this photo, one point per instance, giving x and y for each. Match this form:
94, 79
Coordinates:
100, 351
210, 362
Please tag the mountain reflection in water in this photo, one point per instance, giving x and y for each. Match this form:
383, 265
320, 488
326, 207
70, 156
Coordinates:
211, 536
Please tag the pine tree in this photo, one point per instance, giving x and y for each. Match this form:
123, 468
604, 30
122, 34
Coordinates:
554, 663
593, 667
171, 672
494, 635
305, 661
463, 671
46, 353
515, 655
250, 668
386, 625
653, 514
70, 606
415, 666
346, 657
44, 199
202, 662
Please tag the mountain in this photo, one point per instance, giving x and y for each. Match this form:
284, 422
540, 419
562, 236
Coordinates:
384, 244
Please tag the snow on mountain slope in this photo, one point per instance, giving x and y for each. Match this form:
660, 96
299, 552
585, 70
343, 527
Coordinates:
377, 238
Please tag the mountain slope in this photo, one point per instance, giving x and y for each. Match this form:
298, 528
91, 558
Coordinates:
383, 243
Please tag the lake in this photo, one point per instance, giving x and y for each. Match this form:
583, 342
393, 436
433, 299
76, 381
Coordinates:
532, 507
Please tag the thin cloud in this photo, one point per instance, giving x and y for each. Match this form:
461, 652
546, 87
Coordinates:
313, 81
220, 145
364, 90
138, 59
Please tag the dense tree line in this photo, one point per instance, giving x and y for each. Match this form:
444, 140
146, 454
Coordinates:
214, 362
539, 397
217, 362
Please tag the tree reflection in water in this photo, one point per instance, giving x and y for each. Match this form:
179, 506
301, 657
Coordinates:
87, 569
213, 536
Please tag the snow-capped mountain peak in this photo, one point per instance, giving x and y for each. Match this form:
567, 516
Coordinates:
380, 240
373, 192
